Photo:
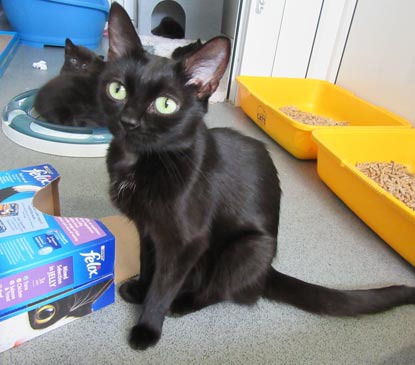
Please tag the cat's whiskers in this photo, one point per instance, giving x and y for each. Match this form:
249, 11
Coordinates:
88, 299
125, 186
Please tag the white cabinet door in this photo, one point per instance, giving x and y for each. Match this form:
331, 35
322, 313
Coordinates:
279, 37
291, 38
261, 30
296, 38
333, 28
379, 58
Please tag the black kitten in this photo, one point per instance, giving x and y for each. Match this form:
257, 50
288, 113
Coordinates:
70, 99
180, 52
79, 59
169, 28
206, 202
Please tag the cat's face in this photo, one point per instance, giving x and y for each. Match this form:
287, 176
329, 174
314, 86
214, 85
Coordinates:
146, 102
79, 59
153, 102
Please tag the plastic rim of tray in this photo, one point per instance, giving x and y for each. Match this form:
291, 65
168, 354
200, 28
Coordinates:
20, 124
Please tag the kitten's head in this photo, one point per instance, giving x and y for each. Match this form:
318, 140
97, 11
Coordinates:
154, 102
79, 59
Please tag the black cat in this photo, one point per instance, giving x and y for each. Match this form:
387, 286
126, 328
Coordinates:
70, 99
80, 59
205, 201
169, 28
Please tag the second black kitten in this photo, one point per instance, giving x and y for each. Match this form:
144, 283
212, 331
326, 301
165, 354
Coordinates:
70, 98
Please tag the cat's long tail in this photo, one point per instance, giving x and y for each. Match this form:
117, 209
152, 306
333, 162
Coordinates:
321, 300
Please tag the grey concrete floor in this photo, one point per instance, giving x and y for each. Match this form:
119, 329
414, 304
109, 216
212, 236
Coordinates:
320, 241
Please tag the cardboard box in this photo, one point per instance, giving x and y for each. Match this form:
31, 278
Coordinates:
54, 269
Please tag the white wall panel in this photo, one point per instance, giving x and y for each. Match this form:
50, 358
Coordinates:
296, 37
379, 59
332, 32
261, 37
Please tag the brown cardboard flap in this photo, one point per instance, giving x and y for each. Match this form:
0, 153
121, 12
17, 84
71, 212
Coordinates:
127, 241
47, 199
127, 247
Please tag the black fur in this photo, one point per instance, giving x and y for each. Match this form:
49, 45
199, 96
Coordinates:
71, 98
206, 202
169, 28
180, 52
79, 59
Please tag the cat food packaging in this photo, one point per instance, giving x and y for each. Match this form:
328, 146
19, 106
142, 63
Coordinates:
52, 269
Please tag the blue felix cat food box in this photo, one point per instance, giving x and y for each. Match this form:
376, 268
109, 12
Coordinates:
52, 269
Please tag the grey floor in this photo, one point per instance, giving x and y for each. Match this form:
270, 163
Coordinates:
320, 240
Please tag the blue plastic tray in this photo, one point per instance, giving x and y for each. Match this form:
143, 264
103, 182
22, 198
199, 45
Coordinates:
50, 22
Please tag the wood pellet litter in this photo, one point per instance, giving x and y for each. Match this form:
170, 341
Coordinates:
310, 118
393, 177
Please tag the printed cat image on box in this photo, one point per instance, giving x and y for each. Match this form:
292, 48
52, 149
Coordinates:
51, 315
74, 305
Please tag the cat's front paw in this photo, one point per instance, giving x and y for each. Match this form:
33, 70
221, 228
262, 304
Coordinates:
142, 337
133, 291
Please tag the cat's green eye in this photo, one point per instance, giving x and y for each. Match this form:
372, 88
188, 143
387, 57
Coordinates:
117, 91
165, 105
45, 314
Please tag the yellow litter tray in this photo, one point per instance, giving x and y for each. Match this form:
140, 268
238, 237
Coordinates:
338, 152
261, 98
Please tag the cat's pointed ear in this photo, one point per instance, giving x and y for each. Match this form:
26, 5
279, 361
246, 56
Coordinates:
123, 39
68, 45
206, 66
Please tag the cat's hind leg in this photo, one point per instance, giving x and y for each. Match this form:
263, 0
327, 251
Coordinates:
237, 275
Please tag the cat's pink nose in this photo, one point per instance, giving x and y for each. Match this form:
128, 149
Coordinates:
129, 123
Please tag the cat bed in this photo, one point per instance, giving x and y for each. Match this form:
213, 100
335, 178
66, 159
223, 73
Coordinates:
50, 22
22, 125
